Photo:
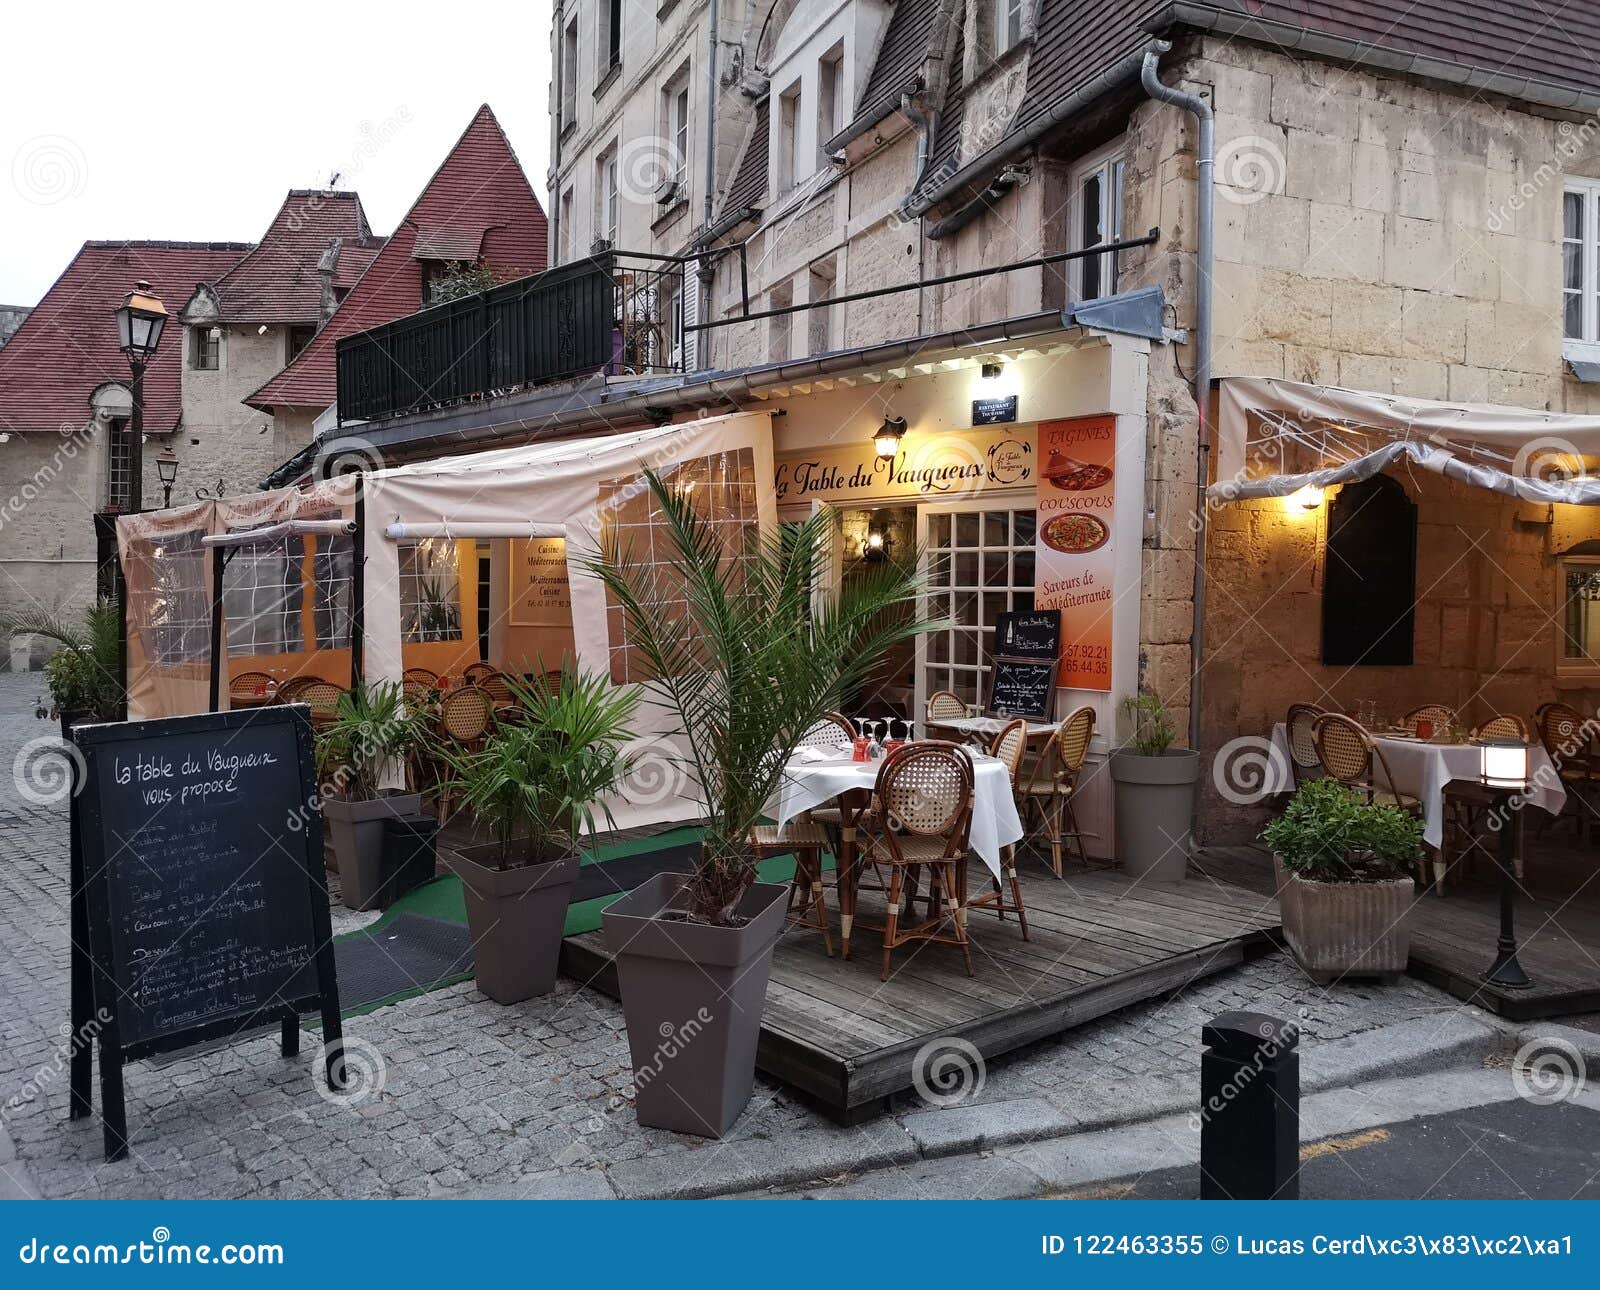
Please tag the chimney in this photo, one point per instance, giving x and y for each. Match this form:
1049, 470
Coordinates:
327, 266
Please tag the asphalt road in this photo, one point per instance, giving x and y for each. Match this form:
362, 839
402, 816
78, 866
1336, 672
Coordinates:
1503, 1151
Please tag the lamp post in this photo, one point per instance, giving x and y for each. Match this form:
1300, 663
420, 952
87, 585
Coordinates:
167, 469
141, 318
1503, 773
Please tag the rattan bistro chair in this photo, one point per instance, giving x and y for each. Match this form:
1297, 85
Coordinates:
1050, 790
806, 840
1505, 726
1440, 717
945, 705
1009, 746
1300, 726
249, 689
495, 685
1569, 740
924, 791
474, 673
422, 674
463, 717
1349, 754
323, 698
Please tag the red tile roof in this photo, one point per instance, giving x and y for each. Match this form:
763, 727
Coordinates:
479, 186
67, 348
278, 281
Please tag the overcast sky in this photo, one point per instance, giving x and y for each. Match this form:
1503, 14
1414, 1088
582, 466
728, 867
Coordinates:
158, 120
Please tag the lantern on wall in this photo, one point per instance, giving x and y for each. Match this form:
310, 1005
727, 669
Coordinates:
886, 441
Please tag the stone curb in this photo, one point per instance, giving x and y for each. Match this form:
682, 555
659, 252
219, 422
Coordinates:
15, 1182
907, 1146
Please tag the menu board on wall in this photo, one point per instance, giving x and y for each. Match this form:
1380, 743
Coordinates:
1076, 491
540, 595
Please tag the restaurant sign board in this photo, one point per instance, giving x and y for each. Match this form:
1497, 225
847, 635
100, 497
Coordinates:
991, 412
929, 467
540, 595
1076, 491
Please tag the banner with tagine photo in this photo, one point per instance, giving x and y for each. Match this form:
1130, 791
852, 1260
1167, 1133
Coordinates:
1076, 491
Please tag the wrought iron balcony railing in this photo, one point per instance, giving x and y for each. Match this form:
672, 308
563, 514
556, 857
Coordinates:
618, 313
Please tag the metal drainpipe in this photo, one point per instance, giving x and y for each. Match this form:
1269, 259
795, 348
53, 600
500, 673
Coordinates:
924, 122
1201, 111
705, 271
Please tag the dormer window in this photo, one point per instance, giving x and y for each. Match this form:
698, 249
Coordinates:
1008, 24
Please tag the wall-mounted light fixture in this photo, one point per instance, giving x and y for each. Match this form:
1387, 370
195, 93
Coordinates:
878, 542
991, 371
886, 441
1308, 498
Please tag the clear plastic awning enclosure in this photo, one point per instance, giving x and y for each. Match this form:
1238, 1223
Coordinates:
1276, 437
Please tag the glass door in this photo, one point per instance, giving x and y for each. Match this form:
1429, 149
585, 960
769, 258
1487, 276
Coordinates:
978, 561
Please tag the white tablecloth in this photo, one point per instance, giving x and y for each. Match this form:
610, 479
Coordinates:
991, 726
1422, 770
995, 822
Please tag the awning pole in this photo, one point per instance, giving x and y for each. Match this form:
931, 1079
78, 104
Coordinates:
358, 585
219, 562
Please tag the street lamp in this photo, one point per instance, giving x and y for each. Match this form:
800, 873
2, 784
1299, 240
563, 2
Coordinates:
140, 321
886, 440
167, 469
1503, 775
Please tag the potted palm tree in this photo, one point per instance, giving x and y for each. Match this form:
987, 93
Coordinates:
1344, 885
536, 784
371, 729
1155, 785
744, 658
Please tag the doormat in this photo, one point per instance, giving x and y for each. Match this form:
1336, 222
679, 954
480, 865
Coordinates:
408, 955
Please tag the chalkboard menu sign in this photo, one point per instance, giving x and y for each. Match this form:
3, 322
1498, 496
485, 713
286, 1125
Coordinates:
1021, 689
1026, 655
207, 901
1031, 634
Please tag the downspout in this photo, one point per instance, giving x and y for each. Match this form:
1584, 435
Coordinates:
925, 123
705, 270
1201, 110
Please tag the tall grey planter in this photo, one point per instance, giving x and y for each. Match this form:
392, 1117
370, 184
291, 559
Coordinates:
692, 997
1155, 811
515, 918
356, 828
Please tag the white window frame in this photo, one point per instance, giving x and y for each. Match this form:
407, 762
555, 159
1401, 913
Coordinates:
830, 98
1567, 667
569, 74
786, 122
675, 110
1004, 11
1009, 502
1587, 346
1108, 164
566, 234
605, 194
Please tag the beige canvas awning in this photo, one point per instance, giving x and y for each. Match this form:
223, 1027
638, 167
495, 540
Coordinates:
1276, 437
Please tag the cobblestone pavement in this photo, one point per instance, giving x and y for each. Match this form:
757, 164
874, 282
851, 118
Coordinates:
471, 1095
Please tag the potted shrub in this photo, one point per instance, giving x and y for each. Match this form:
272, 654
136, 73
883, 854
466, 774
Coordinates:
1155, 786
1344, 885
370, 730
744, 660
85, 674
535, 786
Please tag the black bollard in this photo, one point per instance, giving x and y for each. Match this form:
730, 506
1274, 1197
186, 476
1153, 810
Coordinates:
1249, 1108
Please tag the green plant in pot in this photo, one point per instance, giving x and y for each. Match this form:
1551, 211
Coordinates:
1344, 884
85, 674
371, 731
742, 657
535, 786
1155, 787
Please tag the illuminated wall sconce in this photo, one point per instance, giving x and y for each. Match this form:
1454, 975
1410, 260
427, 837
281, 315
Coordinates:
878, 542
990, 371
1308, 498
886, 442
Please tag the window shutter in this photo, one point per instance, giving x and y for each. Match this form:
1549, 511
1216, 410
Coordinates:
691, 316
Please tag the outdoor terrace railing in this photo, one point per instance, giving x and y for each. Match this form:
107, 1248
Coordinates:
618, 313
